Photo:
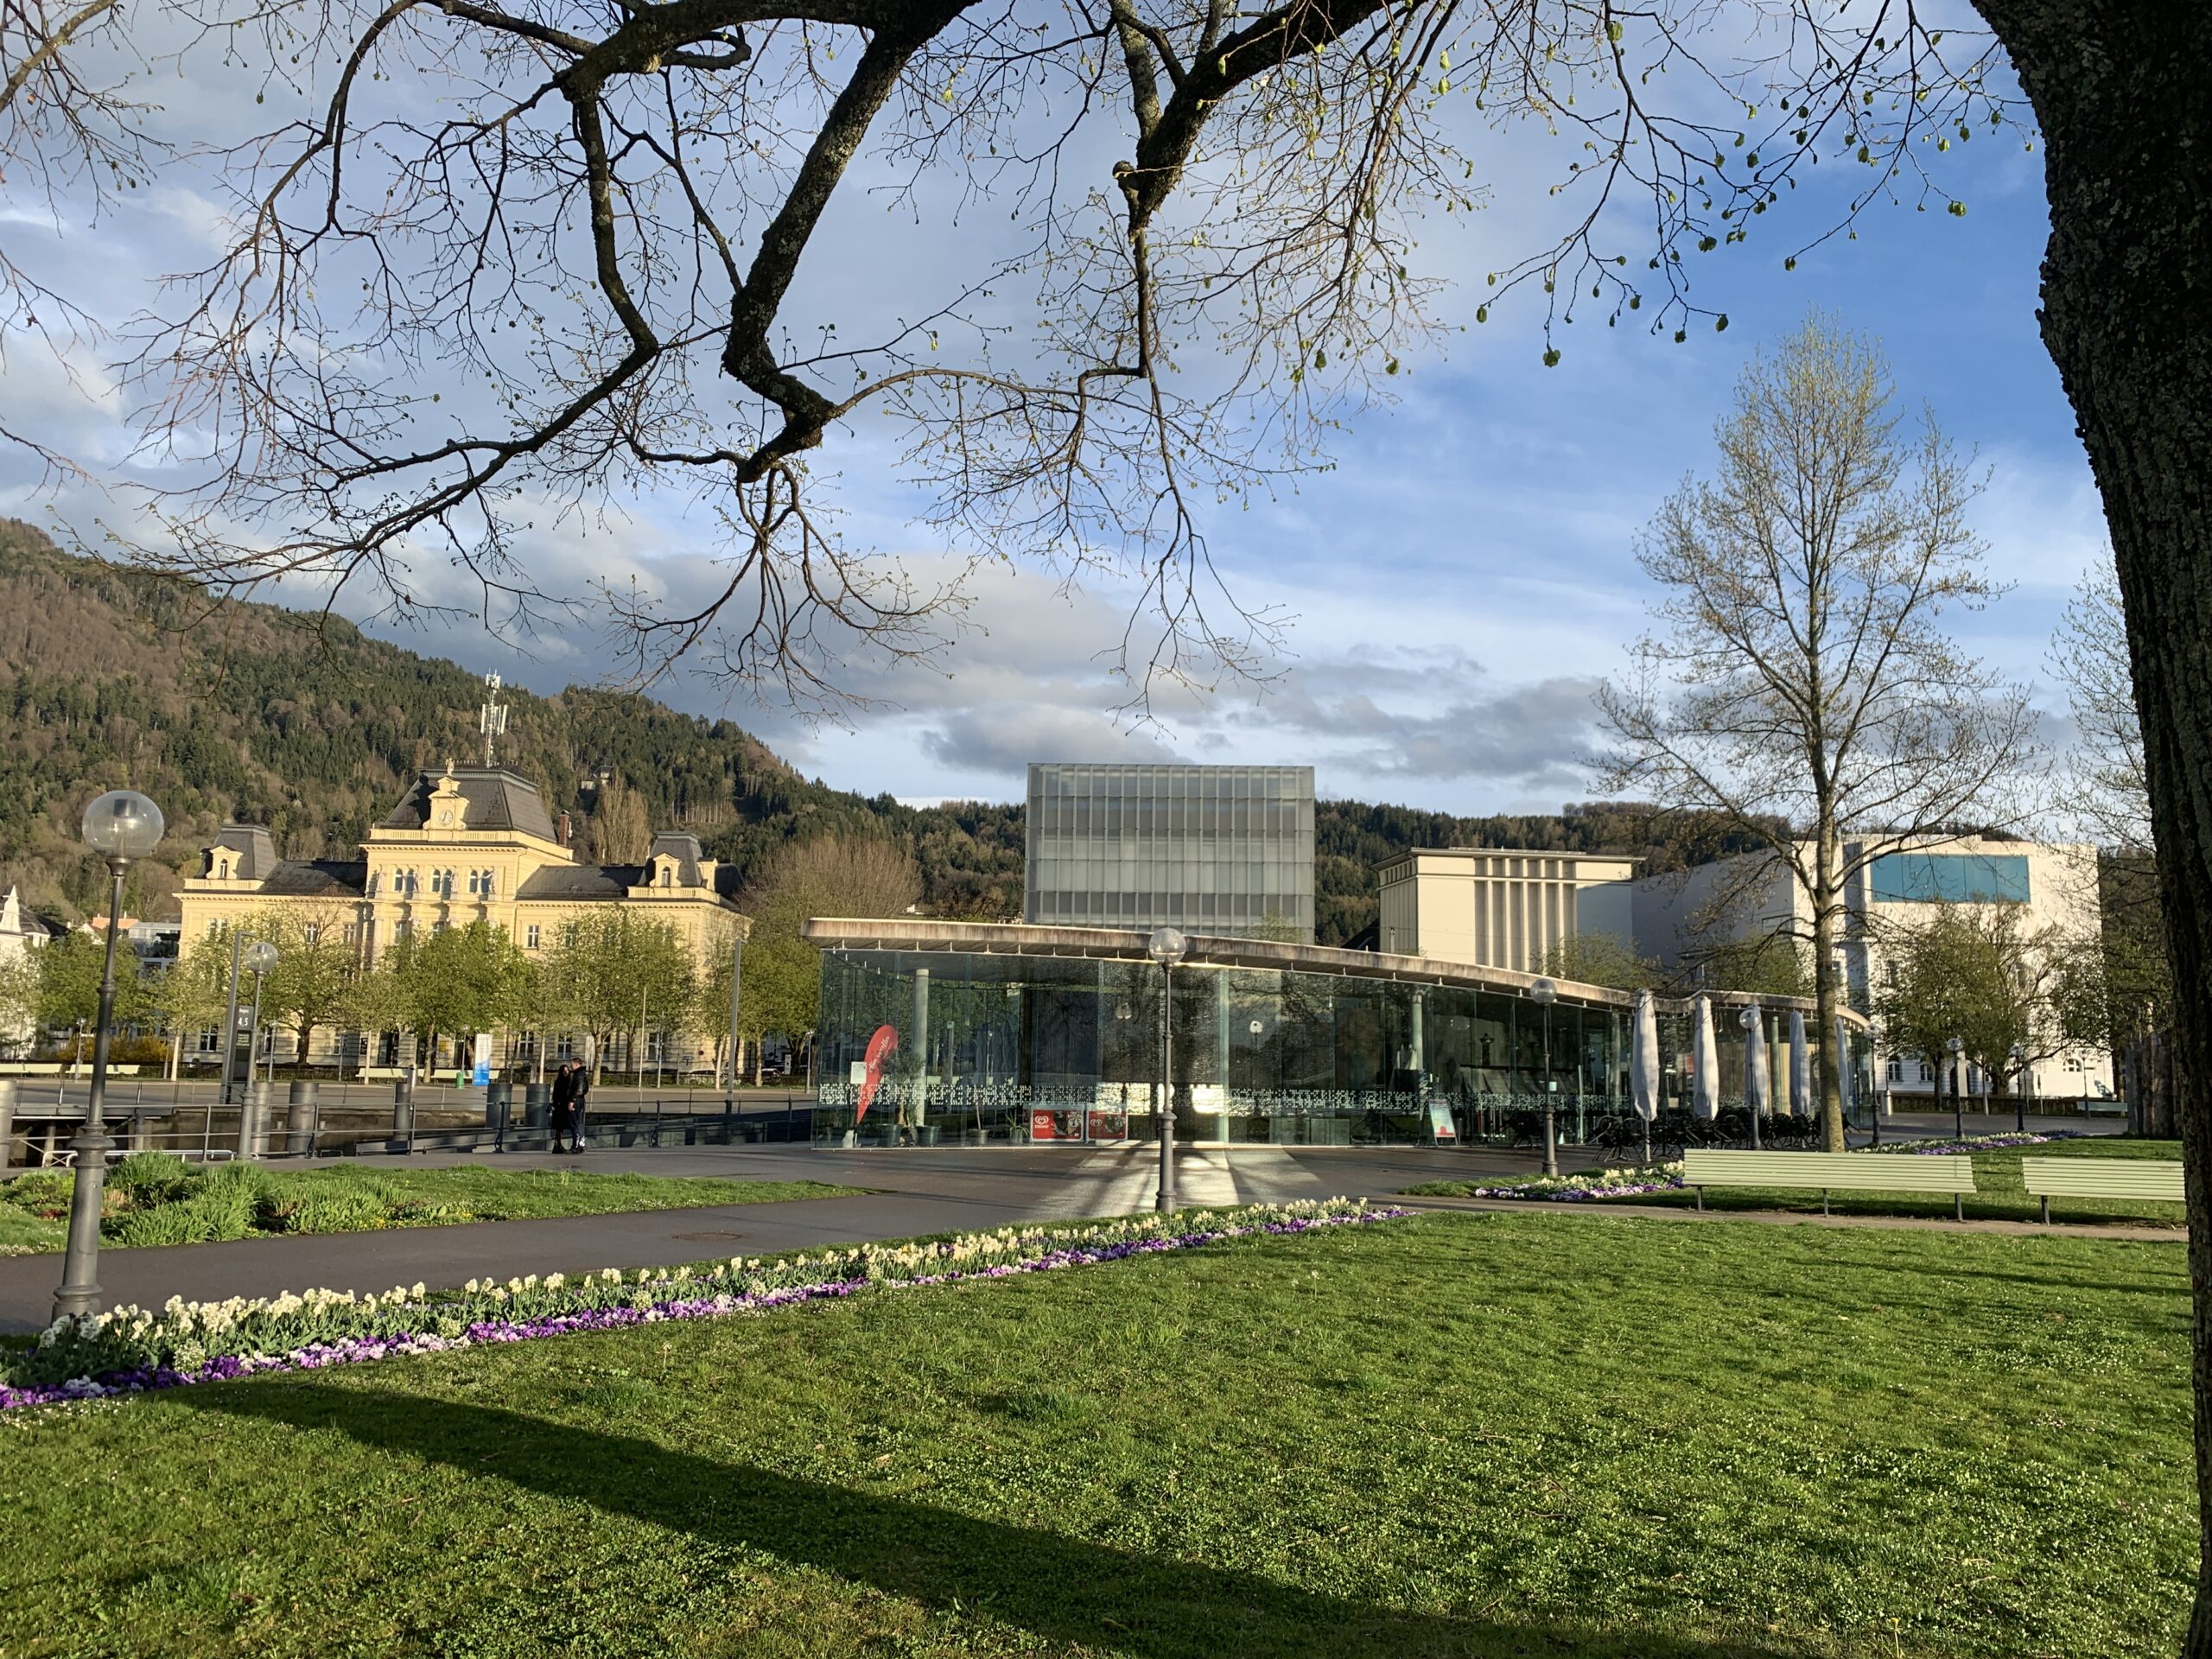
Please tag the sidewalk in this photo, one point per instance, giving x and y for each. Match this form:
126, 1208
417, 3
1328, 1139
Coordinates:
910, 1192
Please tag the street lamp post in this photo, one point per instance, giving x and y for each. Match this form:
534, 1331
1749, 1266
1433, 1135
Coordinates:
259, 958
1956, 1046
1749, 1020
1544, 993
1166, 947
2020, 1075
1875, 1103
123, 826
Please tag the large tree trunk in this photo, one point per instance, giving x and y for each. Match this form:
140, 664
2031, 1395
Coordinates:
2124, 95
1828, 987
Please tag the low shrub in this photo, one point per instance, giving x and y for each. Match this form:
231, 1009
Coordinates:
337, 1210
42, 1191
147, 1179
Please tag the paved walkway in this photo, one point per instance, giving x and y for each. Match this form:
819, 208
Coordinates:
910, 1192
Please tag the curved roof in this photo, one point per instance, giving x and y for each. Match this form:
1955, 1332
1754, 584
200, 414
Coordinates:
1022, 939
494, 799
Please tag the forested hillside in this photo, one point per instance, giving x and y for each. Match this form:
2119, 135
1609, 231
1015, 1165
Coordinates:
109, 677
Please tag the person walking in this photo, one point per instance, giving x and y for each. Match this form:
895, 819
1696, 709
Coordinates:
565, 1102
583, 1103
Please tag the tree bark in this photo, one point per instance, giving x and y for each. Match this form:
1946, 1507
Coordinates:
2124, 96
1827, 991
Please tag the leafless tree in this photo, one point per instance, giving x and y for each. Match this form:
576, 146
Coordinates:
1803, 672
591, 216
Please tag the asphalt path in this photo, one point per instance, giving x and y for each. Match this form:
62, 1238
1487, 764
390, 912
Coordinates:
908, 1192
911, 1191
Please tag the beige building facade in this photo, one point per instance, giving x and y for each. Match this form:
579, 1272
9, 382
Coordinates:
1890, 896
464, 845
1497, 907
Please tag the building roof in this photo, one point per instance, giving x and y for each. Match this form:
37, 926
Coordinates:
254, 847
917, 934
318, 878
495, 799
24, 924
574, 881
683, 847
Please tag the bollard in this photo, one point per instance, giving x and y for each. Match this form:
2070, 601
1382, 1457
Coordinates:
249, 1098
498, 1101
403, 1116
7, 1123
299, 1120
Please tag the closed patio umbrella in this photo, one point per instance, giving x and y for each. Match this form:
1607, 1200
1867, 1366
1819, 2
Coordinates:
1758, 1091
1643, 1058
1801, 1067
1643, 1065
1707, 1059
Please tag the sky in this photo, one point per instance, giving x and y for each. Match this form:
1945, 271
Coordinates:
1455, 586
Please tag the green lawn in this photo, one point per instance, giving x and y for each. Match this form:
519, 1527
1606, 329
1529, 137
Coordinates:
1998, 1195
153, 1199
1484, 1435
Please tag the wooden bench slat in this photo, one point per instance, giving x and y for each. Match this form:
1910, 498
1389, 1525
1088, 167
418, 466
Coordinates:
1838, 1172
2102, 1178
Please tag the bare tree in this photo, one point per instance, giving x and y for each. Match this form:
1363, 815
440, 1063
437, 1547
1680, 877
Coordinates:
592, 220
2106, 794
620, 832
1803, 674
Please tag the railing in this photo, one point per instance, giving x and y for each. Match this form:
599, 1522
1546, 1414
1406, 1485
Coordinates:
335, 1121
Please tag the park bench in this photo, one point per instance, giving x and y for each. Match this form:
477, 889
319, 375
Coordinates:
2101, 1177
1827, 1171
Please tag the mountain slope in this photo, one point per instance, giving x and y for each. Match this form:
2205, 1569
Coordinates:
109, 677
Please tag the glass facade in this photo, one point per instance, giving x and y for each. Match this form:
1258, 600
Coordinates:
930, 1046
1224, 851
1949, 879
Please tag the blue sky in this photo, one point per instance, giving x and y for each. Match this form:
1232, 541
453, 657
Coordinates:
1459, 580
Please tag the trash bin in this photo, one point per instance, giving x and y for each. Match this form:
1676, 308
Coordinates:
7, 1123
537, 1105
403, 1116
300, 1119
261, 1118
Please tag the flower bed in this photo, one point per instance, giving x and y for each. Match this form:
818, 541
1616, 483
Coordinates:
1975, 1143
130, 1349
1630, 1183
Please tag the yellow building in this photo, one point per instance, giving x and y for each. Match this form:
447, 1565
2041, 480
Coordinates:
465, 844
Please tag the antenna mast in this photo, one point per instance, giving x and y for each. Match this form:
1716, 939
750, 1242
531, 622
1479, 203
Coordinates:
492, 719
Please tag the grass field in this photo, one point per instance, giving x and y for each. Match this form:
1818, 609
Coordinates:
1999, 1195
153, 1199
1484, 1435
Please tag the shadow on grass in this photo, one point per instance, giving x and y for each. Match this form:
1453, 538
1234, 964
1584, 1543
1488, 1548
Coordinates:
1062, 1588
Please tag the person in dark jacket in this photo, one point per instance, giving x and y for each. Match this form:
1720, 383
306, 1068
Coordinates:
566, 1084
582, 1100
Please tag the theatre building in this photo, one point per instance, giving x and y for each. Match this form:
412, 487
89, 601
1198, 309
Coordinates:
934, 1031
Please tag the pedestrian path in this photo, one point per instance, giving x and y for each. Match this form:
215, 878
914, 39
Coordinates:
912, 1192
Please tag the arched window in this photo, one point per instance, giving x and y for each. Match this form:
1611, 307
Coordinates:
223, 870
668, 875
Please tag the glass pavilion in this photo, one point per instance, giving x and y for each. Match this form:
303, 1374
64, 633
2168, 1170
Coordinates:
936, 1031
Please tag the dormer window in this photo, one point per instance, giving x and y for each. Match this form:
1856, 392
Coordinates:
668, 875
223, 869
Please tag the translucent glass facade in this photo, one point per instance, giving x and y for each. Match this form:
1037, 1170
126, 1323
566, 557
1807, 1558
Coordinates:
1210, 849
928, 1046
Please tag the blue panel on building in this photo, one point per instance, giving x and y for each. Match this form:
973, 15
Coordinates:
1948, 878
